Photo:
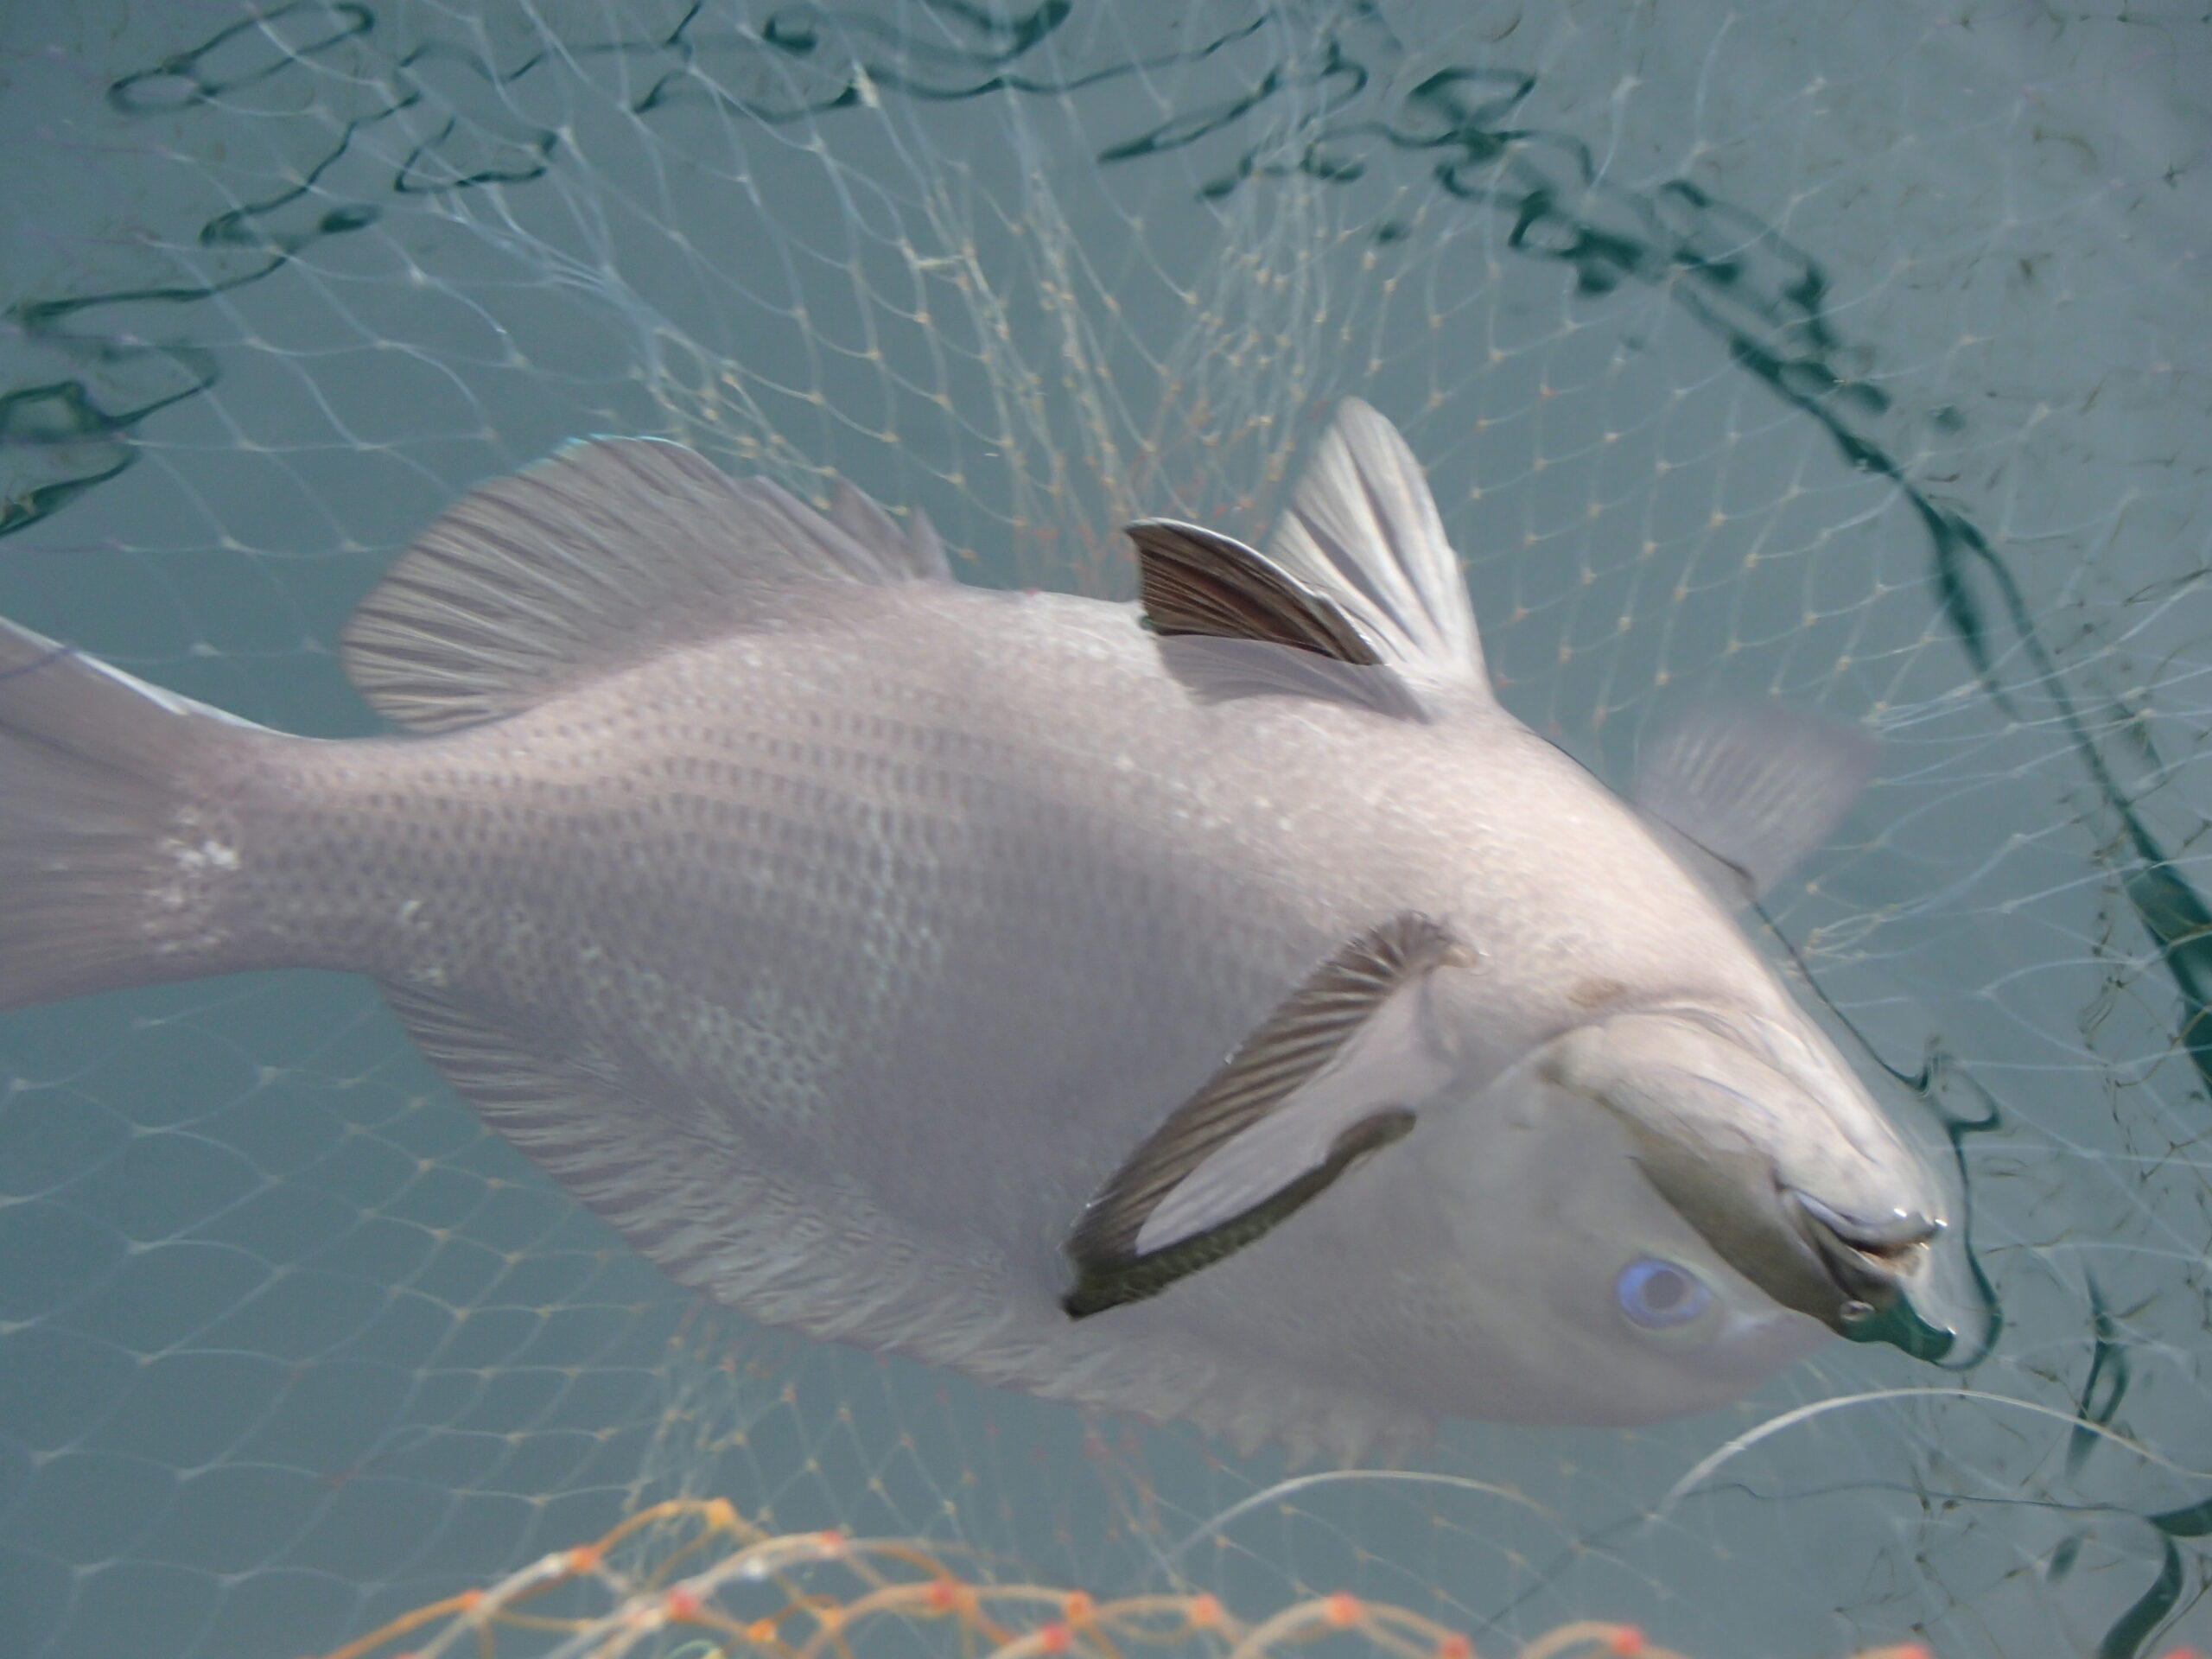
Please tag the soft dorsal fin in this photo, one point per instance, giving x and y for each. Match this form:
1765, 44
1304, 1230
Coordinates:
593, 558
1744, 790
1363, 531
1231, 623
914, 552
1337, 1071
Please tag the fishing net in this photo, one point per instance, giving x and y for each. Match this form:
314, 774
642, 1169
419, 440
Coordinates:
1857, 359
691, 1576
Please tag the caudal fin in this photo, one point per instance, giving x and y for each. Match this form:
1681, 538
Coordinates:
114, 840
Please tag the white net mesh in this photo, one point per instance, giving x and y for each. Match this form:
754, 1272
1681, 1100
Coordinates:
1856, 357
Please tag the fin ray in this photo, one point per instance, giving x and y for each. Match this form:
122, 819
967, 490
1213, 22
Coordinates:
1194, 581
687, 1196
1363, 530
1232, 624
535, 583
1328, 1078
1745, 791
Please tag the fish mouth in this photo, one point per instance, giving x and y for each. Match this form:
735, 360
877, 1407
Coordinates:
1865, 1263
1735, 1140
1849, 1272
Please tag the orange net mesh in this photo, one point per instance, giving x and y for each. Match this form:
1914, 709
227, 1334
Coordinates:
691, 1580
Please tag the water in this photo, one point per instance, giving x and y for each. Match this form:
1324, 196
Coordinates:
1857, 359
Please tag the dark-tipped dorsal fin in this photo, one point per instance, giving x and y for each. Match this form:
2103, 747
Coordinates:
592, 560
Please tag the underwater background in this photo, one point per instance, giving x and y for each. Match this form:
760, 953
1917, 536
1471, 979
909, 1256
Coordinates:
1854, 356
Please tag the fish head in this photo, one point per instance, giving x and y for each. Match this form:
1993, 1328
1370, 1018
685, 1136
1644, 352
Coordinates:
1652, 1213
1763, 1142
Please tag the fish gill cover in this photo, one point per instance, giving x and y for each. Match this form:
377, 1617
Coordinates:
1860, 364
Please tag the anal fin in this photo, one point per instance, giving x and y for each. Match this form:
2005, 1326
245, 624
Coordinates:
695, 1200
622, 1159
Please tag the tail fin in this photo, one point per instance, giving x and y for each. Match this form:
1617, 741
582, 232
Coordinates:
114, 825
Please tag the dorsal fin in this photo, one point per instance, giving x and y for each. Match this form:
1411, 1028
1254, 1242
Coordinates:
1233, 624
591, 560
1363, 531
913, 552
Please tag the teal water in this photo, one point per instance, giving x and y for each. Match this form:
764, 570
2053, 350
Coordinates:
1858, 361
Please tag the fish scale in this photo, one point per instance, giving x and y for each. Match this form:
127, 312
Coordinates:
853, 942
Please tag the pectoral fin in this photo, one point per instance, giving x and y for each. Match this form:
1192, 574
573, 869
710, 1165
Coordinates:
1195, 581
1335, 1073
1233, 623
1741, 792
1357, 599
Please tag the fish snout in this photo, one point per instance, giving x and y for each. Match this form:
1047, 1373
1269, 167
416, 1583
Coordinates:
1867, 1262
1811, 1197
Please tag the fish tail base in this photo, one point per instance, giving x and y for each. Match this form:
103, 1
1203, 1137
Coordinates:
116, 842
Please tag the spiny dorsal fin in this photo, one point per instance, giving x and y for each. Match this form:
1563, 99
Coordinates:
1745, 790
1363, 531
1233, 624
609, 550
1334, 1073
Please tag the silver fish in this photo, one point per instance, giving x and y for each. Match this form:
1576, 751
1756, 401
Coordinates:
1216, 1007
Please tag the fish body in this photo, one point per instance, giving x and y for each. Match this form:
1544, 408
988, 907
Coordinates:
849, 937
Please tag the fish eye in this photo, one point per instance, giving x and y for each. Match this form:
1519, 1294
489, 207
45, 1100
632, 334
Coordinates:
1659, 1295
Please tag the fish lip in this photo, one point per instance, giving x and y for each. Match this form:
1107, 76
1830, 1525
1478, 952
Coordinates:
1848, 1272
1868, 1262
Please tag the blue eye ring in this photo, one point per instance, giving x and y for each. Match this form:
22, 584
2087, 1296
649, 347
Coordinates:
1659, 1295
